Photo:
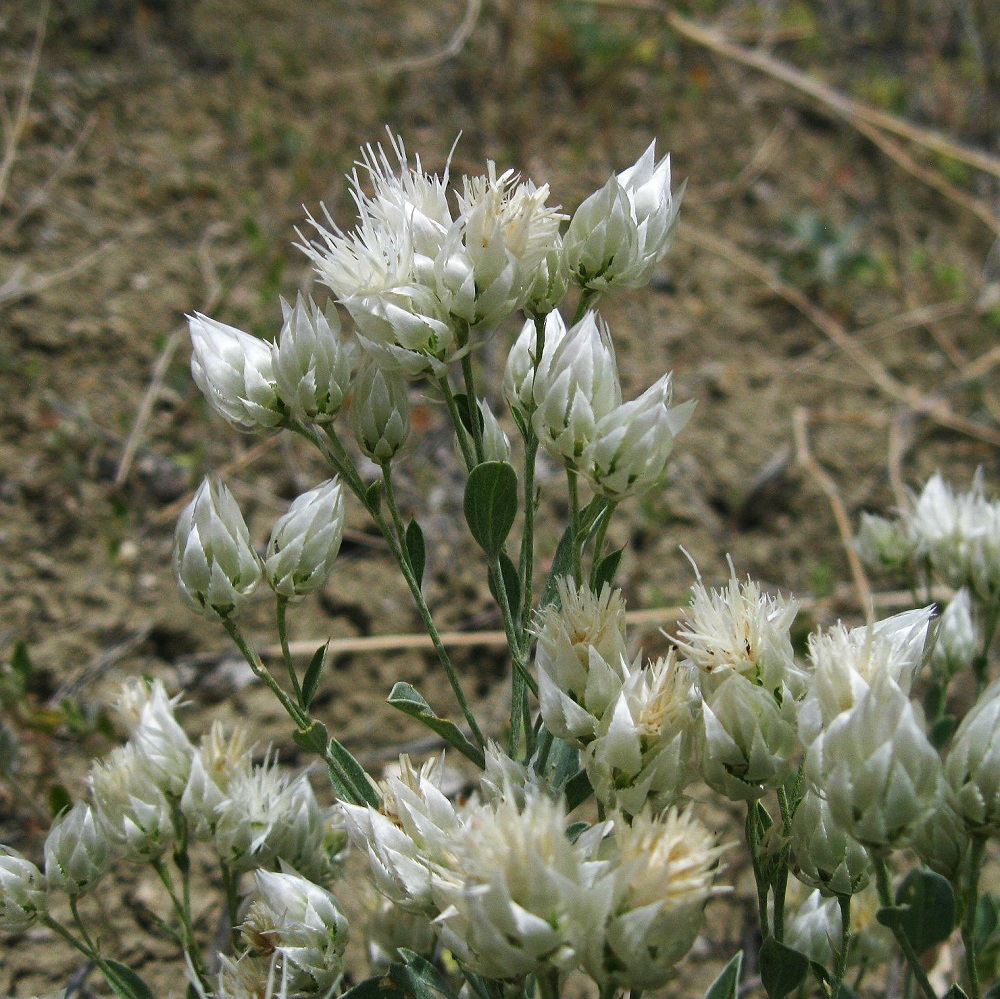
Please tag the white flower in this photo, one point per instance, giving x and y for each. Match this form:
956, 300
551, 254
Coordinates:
22, 892
741, 630
621, 232
525, 356
663, 874
496, 444
380, 413
312, 361
518, 885
77, 851
301, 922
217, 568
235, 373
876, 768
972, 768
827, 858
218, 759
642, 752
746, 739
162, 744
813, 928
581, 659
574, 389
957, 639
305, 541
846, 663
628, 454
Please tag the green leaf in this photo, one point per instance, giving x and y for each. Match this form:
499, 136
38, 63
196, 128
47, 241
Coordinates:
415, 550
419, 978
491, 504
956, 992
380, 987
727, 985
575, 830
577, 789
562, 563
124, 981
782, 969
468, 410
604, 571
59, 800
511, 583
313, 738
373, 496
20, 661
310, 682
406, 698
987, 920
942, 730
563, 763
349, 779
924, 909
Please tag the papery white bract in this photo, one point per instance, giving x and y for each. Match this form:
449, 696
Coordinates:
957, 640
77, 851
826, 857
525, 356
235, 373
380, 413
22, 892
215, 564
972, 767
305, 541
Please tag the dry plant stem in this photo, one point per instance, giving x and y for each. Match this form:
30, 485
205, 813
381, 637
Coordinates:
885, 897
977, 851
930, 406
840, 104
804, 455
398, 544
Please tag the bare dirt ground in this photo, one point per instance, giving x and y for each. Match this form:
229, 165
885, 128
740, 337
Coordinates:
156, 158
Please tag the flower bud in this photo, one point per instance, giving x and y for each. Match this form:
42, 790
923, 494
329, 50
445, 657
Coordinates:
574, 389
380, 413
581, 659
957, 641
827, 858
884, 544
746, 739
496, 444
216, 566
77, 851
305, 541
235, 373
631, 445
875, 766
519, 373
548, 282
621, 232
162, 744
302, 922
972, 769
813, 928
22, 892
312, 361
941, 840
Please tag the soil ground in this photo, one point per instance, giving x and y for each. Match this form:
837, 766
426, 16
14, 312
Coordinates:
166, 152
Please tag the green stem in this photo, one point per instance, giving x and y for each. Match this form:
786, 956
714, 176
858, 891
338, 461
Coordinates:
977, 851
465, 445
600, 537
397, 543
468, 376
231, 886
781, 879
548, 983
885, 897
760, 881
574, 521
587, 301
55, 925
188, 939
282, 606
845, 942
526, 568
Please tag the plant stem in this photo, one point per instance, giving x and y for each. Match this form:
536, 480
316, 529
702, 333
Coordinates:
574, 522
398, 546
587, 300
752, 840
781, 879
885, 897
472, 400
231, 885
188, 940
465, 445
282, 605
845, 941
977, 850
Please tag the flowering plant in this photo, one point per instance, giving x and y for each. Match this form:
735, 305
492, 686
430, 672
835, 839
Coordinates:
581, 848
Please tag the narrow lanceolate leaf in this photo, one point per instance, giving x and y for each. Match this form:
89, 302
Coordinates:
124, 981
782, 969
604, 571
349, 779
314, 671
406, 698
416, 550
491, 504
727, 985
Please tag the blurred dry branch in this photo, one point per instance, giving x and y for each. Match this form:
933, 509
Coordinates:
931, 406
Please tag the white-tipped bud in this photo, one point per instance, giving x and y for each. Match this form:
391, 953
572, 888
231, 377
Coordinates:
22, 892
972, 769
305, 541
581, 659
235, 373
301, 922
631, 445
380, 413
642, 753
884, 544
957, 640
621, 232
664, 874
548, 282
813, 928
575, 389
746, 740
519, 373
312, 361
77, 851
496, 444
741, 629
827, 858
941, 841
216, 566
162, 744
876, 767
